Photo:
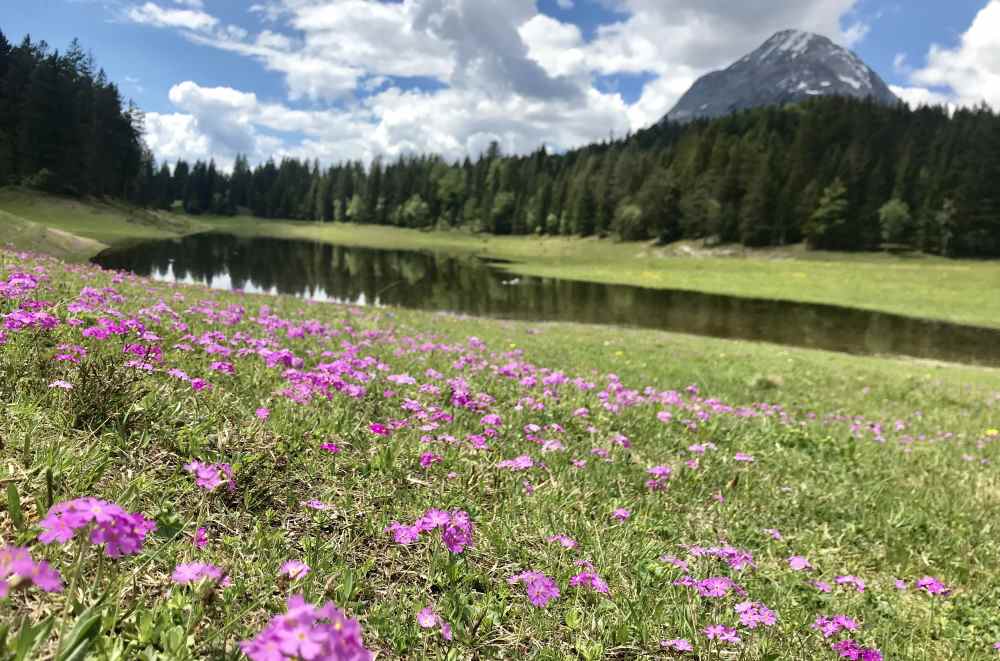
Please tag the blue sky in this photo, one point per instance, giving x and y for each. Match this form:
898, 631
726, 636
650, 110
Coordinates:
355, 78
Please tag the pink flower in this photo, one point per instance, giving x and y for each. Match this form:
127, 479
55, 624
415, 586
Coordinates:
295, 569
591, 580
194, 572
200, 538
621, 514
742, 456
563, 540
17, 562
932, 586
309, 633
722, 633
65, 385
540, 588
428, 619
378, 429
677, 645
120, 532
428, 459
774, 533
263, 413
211, 476
332, 448
799, 563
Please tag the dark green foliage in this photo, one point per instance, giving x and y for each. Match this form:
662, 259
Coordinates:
821, 171
65, 129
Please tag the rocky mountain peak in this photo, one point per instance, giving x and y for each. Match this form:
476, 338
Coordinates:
789, 67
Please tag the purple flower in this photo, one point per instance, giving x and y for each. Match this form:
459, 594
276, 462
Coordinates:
858, 584
799, 563
540, 588
722, 633
295, 569
17, 562
457, 535
332, 448
562, 540
850, 649
677, 645
211, 476
754, 614
744, 457
831, 626
309, 633
591, 580
428, 619
263, 413
524, 462
194, 572
200, 538
621, 514
932, 586
120, 532
378, 429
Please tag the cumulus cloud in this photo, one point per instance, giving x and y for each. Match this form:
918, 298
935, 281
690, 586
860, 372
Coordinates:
155, 15
969, 73
504, 71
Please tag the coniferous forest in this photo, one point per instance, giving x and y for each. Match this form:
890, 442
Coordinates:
837, 173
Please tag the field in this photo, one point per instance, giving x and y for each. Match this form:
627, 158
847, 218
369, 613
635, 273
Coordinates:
466, 488
958, 291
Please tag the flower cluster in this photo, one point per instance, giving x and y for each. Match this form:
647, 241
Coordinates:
660, 477
121, 532
722, 633
16, 563
456, 529
540, 588
428, 619
753, 614
211, 476
831, 626
295, 569
307, 632
933, 586
850, 649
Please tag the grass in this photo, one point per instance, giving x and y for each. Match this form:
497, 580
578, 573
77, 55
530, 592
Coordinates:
873, 468
953, 290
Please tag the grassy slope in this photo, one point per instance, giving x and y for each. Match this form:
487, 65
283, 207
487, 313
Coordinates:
900, 509
104, 222
960, 291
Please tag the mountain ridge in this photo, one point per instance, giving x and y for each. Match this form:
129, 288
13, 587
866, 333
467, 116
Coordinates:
790, 67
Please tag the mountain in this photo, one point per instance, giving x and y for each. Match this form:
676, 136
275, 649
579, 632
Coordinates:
789, 67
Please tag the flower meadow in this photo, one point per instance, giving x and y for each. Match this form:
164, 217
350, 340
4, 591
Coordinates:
193, 474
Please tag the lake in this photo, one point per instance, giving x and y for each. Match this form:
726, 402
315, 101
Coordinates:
468, 285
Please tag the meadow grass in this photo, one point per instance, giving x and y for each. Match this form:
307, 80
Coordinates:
960, 291
723, 461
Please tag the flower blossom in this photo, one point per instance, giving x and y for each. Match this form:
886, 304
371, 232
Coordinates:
310, 633
540, 588
120, 532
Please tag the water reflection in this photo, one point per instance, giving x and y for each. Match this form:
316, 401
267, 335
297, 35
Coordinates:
434, 282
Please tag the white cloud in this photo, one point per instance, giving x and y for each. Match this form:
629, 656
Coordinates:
565, 4
157, 16
921, 96
506, 72
969, 73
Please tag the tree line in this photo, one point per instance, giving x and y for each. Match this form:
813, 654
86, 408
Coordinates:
838, 173
63, 126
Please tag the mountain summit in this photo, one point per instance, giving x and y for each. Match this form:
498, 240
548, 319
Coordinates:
791, 66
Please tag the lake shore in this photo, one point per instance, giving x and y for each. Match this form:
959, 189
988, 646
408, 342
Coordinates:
959, 291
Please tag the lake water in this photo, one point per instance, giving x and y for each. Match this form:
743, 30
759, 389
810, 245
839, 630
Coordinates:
429, 281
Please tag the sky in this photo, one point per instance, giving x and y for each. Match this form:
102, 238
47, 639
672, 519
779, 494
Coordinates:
355, 79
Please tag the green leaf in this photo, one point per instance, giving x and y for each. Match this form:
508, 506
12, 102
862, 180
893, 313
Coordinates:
82, 636
30, 637
14, 507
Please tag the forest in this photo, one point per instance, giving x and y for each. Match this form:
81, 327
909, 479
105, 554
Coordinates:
837, 173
